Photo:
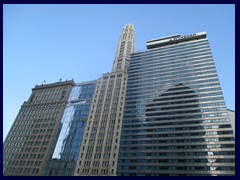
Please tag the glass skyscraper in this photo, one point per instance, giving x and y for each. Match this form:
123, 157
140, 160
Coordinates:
65, 152
175, 121
231, 114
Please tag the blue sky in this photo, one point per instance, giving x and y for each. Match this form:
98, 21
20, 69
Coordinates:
49, 42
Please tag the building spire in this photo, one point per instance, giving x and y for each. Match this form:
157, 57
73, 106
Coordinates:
129, 25
126, 46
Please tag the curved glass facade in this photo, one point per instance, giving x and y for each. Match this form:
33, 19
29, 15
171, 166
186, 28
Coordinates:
65, 152
175, 120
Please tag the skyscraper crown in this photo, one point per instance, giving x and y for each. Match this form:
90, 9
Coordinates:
129, 25
126, 46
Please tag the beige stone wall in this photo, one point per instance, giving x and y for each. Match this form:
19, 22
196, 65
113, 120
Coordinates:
29, 142
100, 144
99, 149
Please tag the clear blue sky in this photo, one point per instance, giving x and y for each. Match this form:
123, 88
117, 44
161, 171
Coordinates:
49, 42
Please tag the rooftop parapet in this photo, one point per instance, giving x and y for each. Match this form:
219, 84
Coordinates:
155, 43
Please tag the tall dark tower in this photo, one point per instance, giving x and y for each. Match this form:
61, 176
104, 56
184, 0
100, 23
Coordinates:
175, 120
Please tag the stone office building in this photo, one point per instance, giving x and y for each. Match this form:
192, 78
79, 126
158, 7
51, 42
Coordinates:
28, 145
99, 150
